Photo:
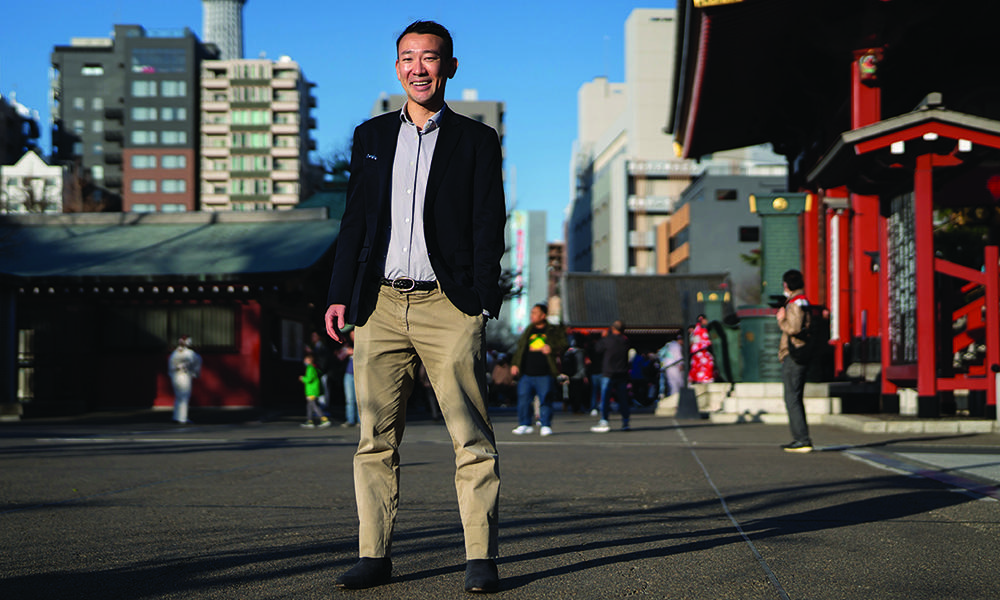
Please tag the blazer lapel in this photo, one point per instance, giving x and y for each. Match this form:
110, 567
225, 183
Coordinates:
447, 141
388, 134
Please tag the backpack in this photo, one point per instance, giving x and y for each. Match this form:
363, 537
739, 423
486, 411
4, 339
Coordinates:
814, 333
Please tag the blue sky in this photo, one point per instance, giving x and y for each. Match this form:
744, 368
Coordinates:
533, 55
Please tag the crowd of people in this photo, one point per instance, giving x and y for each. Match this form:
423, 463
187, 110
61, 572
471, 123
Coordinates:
591, 373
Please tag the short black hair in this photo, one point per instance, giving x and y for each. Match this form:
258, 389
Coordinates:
618, 326
793, 279
543, 307
433, 28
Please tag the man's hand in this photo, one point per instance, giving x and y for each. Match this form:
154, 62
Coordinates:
514, 371
335, 320
780, 315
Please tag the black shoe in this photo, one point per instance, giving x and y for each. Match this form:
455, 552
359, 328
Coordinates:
801, 447
367, 573
481, 576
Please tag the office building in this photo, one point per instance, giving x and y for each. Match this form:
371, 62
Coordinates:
125, 114
626, 181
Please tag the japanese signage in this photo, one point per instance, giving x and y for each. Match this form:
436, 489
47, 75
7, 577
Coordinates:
902, 278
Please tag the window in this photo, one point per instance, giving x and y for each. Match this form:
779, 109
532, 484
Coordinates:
170, 113
143, 161
91, 70
79, 103
143, 113
726, 195
97, 148
251, 140
173, 208
250, 186
97, 172
78, 126
97, 126
144, 208
250, 163
173, 161
174, 186
144, 186
143, 88
143, 137
158, 60
749, 234
174, 137
97, 103
173, 89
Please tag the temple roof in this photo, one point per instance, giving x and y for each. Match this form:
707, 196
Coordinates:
779, 71
202, 245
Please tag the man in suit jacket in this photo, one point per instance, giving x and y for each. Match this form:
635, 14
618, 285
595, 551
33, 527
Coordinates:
417, 269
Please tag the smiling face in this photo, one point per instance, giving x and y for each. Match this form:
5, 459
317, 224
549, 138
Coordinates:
423, 71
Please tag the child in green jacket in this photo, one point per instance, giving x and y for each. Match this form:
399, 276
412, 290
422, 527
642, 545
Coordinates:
314, 416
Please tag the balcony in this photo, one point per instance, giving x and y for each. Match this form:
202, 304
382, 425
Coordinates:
285, 128
285, 152
215, 105
285, 175
284, 84
214, 151
113, 135
114, 113
285, 106
215, 128
215, 84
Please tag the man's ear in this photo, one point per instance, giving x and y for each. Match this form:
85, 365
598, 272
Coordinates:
454, 67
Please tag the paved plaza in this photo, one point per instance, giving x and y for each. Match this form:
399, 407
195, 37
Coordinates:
242, 506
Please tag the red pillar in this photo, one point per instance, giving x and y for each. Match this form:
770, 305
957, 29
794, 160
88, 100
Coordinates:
992, 321
866, 108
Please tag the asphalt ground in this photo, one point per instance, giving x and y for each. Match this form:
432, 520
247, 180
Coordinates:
133, 506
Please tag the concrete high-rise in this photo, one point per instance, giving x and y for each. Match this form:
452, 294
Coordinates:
222, 25
626, 180
125, 114
255, 129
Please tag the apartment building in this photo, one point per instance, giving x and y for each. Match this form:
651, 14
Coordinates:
256, 134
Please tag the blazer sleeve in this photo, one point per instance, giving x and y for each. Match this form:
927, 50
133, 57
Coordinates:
488, 220
352, 230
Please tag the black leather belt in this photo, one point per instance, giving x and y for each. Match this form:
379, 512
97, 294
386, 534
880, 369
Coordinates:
406, 284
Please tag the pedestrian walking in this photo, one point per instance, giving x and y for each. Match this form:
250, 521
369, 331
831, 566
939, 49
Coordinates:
313, 389
615, 371
535, 364
183, 366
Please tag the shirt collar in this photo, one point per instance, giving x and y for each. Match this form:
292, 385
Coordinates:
433, 123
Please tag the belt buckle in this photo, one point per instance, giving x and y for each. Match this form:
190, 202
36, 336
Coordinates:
404, 284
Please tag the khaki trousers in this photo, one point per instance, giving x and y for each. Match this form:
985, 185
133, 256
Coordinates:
403, 327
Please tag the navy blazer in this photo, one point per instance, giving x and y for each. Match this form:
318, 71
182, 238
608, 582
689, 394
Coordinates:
464, 216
